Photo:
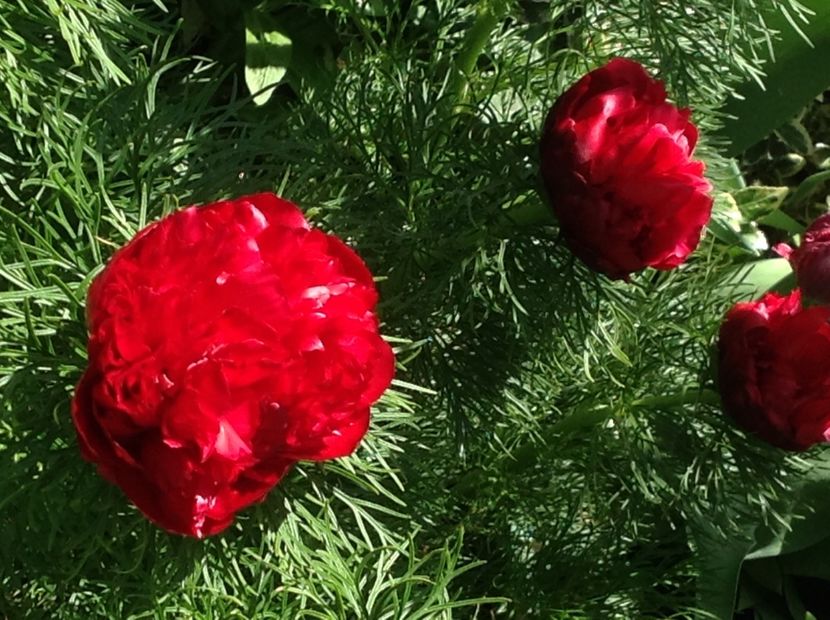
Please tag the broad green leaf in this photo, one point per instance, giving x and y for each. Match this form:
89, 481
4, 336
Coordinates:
789, 165
806, 524
736, 215
808, 185
733, 177
796, 137
813, 561
726, 218
766, 604
720, 570
757, 201
756, 566
730, 226
794, 603
800, 72
764, 573
780, 220
822, 155
751, 280
267, 54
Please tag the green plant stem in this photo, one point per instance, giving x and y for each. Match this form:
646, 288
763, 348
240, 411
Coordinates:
526, 215
477, 36
592, 416
691, 396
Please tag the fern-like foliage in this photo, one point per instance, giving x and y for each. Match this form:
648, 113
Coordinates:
564, 423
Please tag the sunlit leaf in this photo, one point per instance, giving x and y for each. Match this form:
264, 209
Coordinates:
267, 55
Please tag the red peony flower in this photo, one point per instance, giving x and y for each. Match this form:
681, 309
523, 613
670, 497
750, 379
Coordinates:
775, 370
811, 260
226, 343
616, 161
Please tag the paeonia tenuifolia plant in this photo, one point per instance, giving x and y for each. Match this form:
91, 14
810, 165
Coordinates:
811, 260
774, 370
617, 165
227, 342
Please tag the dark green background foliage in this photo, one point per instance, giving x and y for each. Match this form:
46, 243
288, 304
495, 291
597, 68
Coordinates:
553, 445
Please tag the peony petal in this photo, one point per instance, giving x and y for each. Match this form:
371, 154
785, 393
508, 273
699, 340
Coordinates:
277, 211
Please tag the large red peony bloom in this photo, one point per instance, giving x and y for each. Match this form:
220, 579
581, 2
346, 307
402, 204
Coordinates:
226, 343
775, 370
616, 161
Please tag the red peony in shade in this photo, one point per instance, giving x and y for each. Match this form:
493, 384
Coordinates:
616, 161
226, 343
774, 370
811, 260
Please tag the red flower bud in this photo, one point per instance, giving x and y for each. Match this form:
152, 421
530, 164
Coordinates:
616, 161
226, 342
775, 370
811, 260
